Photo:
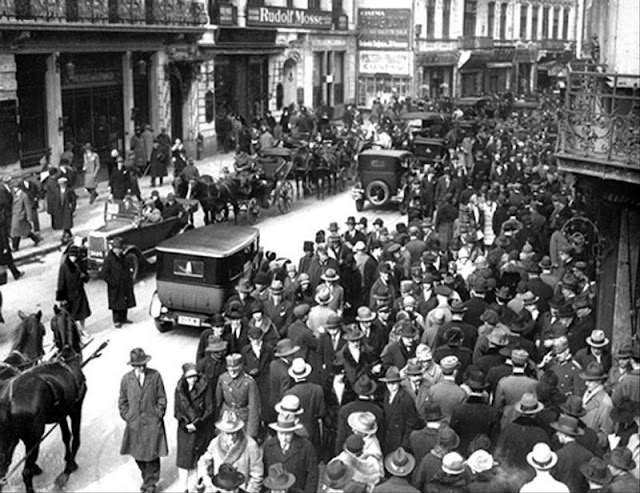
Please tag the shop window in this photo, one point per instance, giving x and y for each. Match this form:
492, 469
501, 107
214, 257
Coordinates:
338, 77
555, 23
565, 24
279, 96
209, 106
336, 7
9, 132
314, 4
318, 72
491, 18
469, 20
534, 22
431, 12
446, 18
503, 20
524, 8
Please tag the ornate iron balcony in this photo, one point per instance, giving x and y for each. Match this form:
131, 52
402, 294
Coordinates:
143, 12
600, 125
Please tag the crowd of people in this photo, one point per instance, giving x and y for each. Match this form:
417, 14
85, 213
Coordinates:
455, 352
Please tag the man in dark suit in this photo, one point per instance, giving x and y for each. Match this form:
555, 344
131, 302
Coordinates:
399, 410
330, 342
476, 304
445, 186
365, 389
6, 206
295, 453
373, 337
572, 455
469, 332
238, 332
398, 353
279, 380
423, 440
475, 416
302, 336
257, 356
277, 308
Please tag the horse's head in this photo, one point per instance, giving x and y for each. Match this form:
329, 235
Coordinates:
29, 328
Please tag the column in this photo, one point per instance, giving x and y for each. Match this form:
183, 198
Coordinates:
552, 13
55, 136
530, 8
560, 22
127, 98
513, 12
154, 79
540, 34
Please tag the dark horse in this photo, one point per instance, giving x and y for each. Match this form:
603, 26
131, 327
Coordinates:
28, 337
65, 330
48, 393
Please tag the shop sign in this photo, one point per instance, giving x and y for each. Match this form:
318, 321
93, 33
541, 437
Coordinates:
384, 29
279, 16
441, 59
384, 62
323, 42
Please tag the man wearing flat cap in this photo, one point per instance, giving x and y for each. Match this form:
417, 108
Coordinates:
142, 404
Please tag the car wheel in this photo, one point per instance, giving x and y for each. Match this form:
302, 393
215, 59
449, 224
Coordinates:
359, 205
378, 192
133, 263
163, 326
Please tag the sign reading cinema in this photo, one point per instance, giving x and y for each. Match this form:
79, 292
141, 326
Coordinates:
278, 16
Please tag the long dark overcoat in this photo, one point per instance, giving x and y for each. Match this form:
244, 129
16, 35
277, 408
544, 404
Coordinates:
64, 207
71, 281
400, 419
299, 460
21, 216
143, 408
193, 406
119, 282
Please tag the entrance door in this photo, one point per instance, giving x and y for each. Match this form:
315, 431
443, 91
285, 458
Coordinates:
32, 108
289, 82
180, 86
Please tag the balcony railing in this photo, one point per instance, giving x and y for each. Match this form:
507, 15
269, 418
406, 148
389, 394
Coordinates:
475, 42
153, 12
600, 122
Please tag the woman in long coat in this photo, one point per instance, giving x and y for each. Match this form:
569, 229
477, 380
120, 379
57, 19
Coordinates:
71, 279
193, 405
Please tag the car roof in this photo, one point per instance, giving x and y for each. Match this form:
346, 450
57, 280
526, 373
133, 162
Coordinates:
422, 115
393, 153
214, 240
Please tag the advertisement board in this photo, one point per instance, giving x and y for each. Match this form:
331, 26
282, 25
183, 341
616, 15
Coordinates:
384, 62
384, 29
284, 17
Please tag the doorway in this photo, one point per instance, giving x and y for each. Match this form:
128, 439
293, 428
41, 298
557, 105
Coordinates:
32, 108
289, 76
180, 83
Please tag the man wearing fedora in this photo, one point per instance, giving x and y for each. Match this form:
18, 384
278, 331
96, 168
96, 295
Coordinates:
329, 343
365, 388
571, 454
302, 336
629, 385
142, 404
422, 441
217, 329
399, 411
543, 460
331, 277
336, 476
447, 392
227, 480
257, 356
510, 388
278, 309
372, 337
213, 363
355, 356
519, 436
237, 327
279, 380
582, 326
597, 351
621, 463
452, 477
311, 398
597, 403
237, 392
398, 353
233, 447
475, 416
454, 346
117, 274
319, 264
597, 474
319, 313
295, 453
399, 464
431, 463
259, 320
243, 296
278, 479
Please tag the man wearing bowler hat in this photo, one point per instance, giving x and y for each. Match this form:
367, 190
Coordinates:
571, 455
117, 274
597, 403
142, 404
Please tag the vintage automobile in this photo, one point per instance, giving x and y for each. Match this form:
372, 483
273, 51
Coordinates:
124, 218
381, 176
426, 123
197, 270
428, 150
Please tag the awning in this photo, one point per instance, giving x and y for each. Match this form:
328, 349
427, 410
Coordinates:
241, 41
477, 61
241, 50
499, 65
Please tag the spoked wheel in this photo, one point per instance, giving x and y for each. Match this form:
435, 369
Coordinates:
285, 197
378, 192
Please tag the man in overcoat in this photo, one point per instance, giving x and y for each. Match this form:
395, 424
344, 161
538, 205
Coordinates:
399, 410
63, 207
117, 275
294, 452
6, 205
142, 404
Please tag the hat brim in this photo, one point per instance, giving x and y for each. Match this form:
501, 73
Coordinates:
229, 429
277, 427
597, 344
229, 485
370, 318
539, 407
321, 302
586, 472
340, 483
215, 348
140, 362
453, 472
288, 352
354, 425
275, 485
400, 471
566, 431
327, 278
390, 380
305, 374
545, 467
586, 377
353, 338
279, 409
625, 467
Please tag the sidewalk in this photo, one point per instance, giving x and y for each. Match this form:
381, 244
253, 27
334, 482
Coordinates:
90, 217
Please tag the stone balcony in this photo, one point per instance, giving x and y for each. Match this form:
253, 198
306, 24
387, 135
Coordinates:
599, 131
102, 14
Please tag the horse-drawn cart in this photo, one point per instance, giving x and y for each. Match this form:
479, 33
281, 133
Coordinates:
276, 165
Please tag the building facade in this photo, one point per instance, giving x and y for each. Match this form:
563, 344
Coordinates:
79, 71
476, 47
267, 55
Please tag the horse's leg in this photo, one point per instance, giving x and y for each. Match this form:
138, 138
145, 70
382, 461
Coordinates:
66, 438
31, 443
76, 420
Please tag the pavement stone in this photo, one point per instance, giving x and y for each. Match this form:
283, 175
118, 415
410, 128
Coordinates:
88, 217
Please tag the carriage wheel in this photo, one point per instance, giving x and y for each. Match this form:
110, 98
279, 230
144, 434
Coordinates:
285, 198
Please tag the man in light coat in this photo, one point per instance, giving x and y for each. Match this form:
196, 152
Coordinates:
91, 168
142, 404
